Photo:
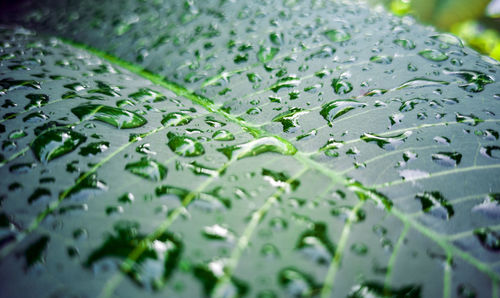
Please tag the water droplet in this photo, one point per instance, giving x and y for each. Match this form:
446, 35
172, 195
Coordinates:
185, 146
17, 134
56, 142
35, 117
331, 146
405, 43
218, 232
266, 54
276, 38
381, 59
40, 194
223, 135
474, 80
468, 119
421, 82
289, 119
280, 179
434, 203
410, 175
315, 244
36, 101
199, 169
490, 151
298, 283
115, 116
87, 185
337, 108
147, 95
34, 253
176, 119
378, 290
212, 122
359, 249
285, 82
126, 198
337, 35
447, 159
466, 291
341, 86
269, 251
386, 142
490, 206
488, 238
259, 146
433, 55
148, 169
209, 275
94, 148
448, 39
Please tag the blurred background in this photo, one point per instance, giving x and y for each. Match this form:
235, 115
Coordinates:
477, 22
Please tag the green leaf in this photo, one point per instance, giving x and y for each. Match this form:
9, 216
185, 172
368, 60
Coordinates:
235, 148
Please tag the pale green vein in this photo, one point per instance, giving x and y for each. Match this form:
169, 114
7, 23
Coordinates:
437, 174
447, 276
337, 258
392, 259
469, 233
389, 153
244, 239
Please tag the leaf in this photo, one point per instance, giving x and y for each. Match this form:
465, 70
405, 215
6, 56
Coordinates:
235, 148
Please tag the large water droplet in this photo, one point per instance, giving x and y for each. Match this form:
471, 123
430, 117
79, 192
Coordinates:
488, 238
259, 146
315, 244
337, 35
433, 55
176, 119
434, 203
386, 142
447, 159
337, 108
56, 142
378, 290
474, 80
115, 116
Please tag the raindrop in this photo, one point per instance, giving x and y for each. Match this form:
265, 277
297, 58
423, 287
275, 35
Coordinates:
115, 116
56, 142
184, 146
148, 169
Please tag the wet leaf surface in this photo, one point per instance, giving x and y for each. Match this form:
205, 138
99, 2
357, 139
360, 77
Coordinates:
233, 148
